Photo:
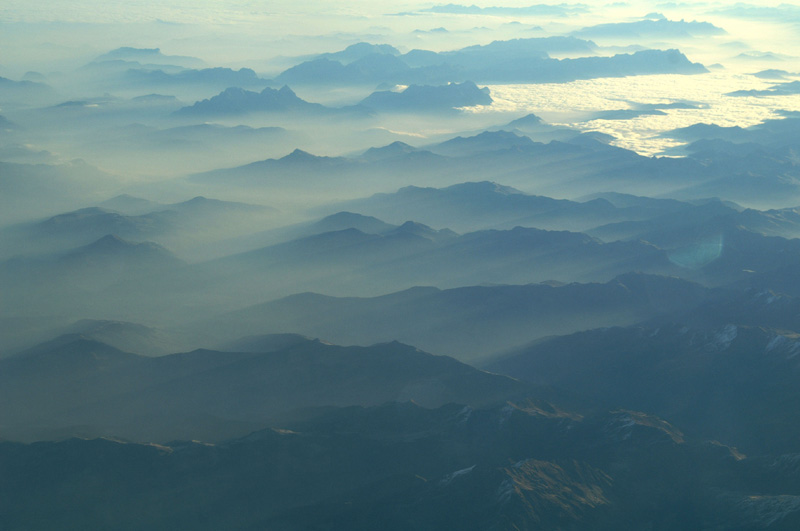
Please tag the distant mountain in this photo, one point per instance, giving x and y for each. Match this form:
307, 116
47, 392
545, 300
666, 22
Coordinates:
751, 307
360, 50
471, 322
483, 142
473, 206
771, 133
87, 224
651, 29
215, 135
29, 191
349, 220
562, 10
731, 383
589, 166
128, 337
772, 73
334, 222
149, 55
7, 126
759, 169
67, 283
442, 98
129, 205
215, 77
626, 114
215, 395
576, 166
237, 101
782, 89
183, 225
527, 121
113, 251
25, 93
708, 217
287, 171
265, 343
392, 151
353, 262
514, 61
188, 148
374, 68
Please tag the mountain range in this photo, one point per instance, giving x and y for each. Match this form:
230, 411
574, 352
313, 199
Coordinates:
468, 323
77, 386
514, 61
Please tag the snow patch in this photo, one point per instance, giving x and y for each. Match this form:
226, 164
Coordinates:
767, 296
450, 477
505, 413
621, 428
463, 416
792, 348
724, 337
506, 491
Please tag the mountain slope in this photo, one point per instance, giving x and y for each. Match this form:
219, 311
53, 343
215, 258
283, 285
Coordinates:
734, 384
468, 323
76, 386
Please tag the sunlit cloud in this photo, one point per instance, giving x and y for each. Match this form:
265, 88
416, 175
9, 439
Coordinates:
573, 105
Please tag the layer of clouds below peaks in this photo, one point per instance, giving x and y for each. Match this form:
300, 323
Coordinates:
573, 104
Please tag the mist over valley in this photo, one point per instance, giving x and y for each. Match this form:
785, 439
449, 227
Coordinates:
305, 265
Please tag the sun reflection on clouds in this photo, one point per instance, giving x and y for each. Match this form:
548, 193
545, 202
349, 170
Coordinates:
575, 104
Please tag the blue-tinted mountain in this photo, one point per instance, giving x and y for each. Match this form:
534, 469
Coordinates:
374, 68
562, 10
484, 142
298, 166
711, 216
25, 93
514, 61
470, 322
772, 74
67, 284
730, 383
128, 337
353, 262
441, 98
212, 395
651, 29
773, 133
149, 55
626, 114
28, 191
392, 151
214, 77
782, 89
237, 101
349, 220
187, 148
586, 164
179, 223
360, 50
111, 251
7, 126
473, 206
129, 205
